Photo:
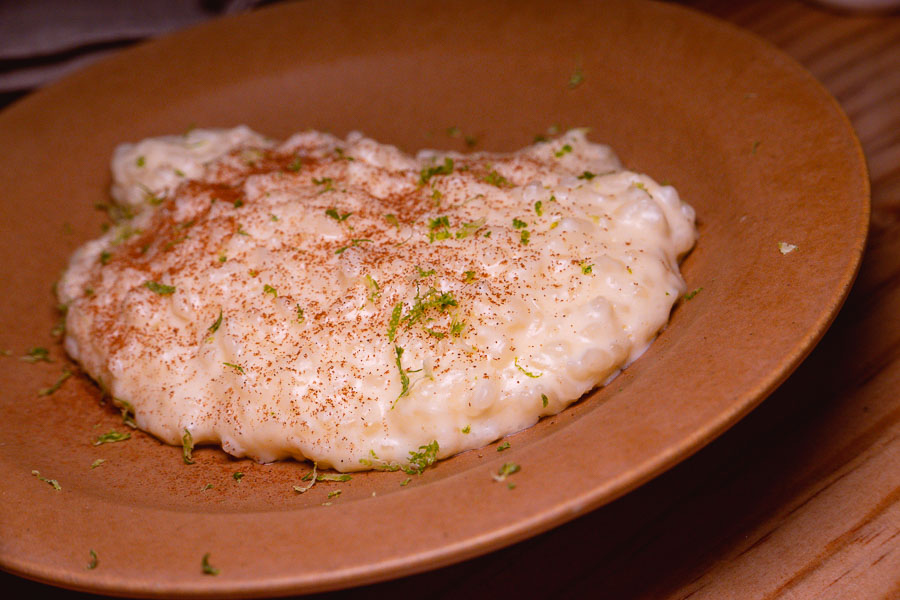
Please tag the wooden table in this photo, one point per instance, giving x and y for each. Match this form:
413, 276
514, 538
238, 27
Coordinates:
802, 498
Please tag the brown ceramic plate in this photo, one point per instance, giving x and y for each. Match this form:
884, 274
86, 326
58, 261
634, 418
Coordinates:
762, 152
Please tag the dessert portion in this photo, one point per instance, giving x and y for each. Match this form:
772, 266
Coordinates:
346, 303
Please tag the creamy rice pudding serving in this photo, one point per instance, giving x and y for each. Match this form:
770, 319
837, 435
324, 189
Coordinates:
343, 302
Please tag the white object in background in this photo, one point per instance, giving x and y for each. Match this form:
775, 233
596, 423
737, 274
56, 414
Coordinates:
862, 5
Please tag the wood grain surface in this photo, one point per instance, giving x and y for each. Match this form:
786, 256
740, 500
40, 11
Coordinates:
802, 498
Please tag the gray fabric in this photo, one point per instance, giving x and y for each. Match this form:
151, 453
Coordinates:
41, 40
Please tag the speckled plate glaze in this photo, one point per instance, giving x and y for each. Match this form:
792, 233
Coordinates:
748, 137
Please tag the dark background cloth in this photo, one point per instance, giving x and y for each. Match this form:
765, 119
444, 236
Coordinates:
43, 40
